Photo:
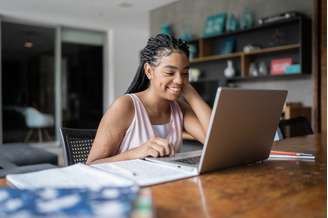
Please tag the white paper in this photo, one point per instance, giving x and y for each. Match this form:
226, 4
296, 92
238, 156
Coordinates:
78, 175
143, 172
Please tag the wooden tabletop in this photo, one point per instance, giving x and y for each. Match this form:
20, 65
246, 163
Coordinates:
268, 189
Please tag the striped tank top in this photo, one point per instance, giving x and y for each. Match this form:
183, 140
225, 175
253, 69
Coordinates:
141, 129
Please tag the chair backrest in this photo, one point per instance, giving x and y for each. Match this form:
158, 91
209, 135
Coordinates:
35, 119
77, 144
298, 126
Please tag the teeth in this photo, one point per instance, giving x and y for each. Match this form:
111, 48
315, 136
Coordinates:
175, 89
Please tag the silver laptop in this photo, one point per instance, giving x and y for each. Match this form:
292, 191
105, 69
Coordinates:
241, 130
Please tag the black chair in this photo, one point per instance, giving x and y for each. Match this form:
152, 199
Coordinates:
298, 126
77, 144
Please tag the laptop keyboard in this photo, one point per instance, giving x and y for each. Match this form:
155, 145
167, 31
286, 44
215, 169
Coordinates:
191, 160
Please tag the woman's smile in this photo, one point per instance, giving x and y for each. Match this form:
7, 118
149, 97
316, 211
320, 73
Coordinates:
176, 90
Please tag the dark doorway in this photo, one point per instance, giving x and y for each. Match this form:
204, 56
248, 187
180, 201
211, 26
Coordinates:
27, 82
82, 85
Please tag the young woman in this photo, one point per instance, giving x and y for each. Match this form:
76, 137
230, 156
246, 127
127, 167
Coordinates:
160, 104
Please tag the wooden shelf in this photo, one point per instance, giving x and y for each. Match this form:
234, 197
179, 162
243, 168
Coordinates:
240, 54
273, 49
216, 57
268, 77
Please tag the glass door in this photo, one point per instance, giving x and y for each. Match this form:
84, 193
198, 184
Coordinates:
27, 83
81, 78
50, 77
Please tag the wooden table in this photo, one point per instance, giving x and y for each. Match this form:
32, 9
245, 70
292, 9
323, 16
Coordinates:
268, 189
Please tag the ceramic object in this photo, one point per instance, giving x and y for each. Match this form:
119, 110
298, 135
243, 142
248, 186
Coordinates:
263, 69
232, 23
194, 74
250, 48
253, 70
247, 19
229, 71
192, 51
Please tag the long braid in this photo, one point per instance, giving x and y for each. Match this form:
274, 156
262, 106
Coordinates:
157, 47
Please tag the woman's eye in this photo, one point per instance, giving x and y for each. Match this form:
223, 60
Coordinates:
169, 73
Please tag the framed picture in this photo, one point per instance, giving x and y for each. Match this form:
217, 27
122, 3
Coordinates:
278, 66
214, 25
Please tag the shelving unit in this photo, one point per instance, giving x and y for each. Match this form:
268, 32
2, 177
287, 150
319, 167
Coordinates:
268, 77
290, 38
244, 56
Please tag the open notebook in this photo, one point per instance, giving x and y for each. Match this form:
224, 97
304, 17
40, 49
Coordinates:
122, 173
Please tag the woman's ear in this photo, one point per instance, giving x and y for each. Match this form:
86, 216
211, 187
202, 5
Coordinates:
148, 71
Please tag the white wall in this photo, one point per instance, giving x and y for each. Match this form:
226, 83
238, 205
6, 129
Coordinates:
128, 44
125, 44
126, 36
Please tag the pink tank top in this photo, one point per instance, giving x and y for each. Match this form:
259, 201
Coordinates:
141, 130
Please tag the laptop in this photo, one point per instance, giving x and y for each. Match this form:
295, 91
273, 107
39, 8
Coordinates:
242, 128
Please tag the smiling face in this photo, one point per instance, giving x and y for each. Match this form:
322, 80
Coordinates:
169, 76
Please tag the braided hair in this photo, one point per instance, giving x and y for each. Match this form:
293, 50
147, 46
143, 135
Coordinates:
159, 46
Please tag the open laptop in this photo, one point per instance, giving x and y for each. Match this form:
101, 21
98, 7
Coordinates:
241, 130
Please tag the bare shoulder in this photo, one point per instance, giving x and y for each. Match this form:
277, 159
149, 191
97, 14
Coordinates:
121, 110
124, 103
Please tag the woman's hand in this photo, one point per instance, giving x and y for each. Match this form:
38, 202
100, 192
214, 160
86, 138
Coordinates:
154, 147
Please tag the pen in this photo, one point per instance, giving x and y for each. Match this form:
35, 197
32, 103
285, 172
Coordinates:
290, 153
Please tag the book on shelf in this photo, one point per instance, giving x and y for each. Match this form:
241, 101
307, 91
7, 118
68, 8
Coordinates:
278, 66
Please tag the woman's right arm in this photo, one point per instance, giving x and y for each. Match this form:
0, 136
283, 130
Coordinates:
110, 134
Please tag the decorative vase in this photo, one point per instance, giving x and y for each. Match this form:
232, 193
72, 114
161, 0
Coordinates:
263, 70
253, 70
229, 71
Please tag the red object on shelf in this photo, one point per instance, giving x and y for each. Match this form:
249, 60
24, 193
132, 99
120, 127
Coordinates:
278, 66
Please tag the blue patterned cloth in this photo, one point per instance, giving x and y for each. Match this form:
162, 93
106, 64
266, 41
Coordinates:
67, 202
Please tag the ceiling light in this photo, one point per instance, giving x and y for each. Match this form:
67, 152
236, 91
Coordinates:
28, 44
125, 5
